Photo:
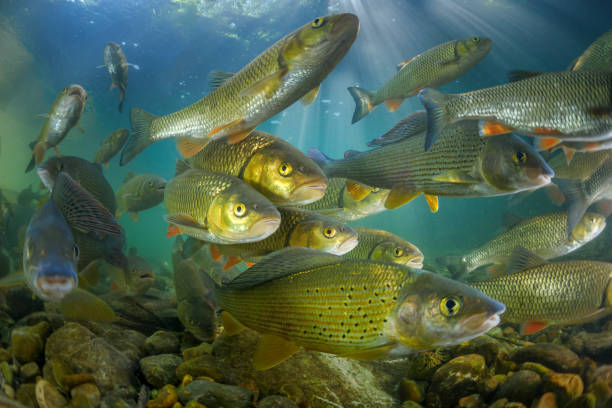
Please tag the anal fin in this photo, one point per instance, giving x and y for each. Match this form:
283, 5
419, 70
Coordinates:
432, 202
492, 128
232, 261
272, 350
533, 326
231, 325
310, 96
215, 254
189, 147
393, 104
400, 196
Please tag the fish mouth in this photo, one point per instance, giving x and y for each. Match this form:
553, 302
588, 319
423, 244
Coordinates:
55, 287
264, 228
544, 179
346, 27
345, 246
78, 91
162, 187
479, 323
416, 262
308, 192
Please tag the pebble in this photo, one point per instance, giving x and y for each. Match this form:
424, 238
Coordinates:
160, 369
213, 394
410, 391
535, 367
458, 378
595, 345
6, 373
193, 352
26, 395
277, 401
48, 396
566, 387
87, 391
548, 400
554, 356
523, 386
162, 342
29, 371
166, 397
472, 401
28, 342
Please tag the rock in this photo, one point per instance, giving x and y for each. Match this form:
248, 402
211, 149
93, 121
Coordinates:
48, 396
595, 345
500, 403
535, 367
162, 342
26, 395
587, 400
213, 394
548, 400
28, 342
553, 356
197, 351
276, 401
29, 371
6, 323
6, 373
411, 404
522, 386
202, 366
421, 366
566, 387
87, 353
55, 320
458, 378
88, 392
472, 401
130, 342
21, 302
160, 369
5, 355
166, 398
193, 404
410, 390
8, 390
600, 384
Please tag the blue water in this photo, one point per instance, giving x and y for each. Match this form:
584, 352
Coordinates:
176, 44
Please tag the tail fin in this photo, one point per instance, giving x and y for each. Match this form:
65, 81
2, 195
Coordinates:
363, 102
321, 159
577, 203
434, 102
141, 134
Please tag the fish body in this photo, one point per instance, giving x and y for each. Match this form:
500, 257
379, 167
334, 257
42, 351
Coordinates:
544, 235
301, 228
218, 208
597, 57
299, 297
117, 66
271, 165
412, 124
338, 202
560, 106
378, 245
63, 116
290, 69
461, 164
541, 293
433, 68
582, 165
111, 146
139, 192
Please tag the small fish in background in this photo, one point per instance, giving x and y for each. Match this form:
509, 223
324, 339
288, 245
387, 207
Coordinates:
553, 107
379, 245
597, 57
111, 145
546, 236
217, 208
303, 298
136, 278
117, 66
412, 124
298, 227
538, 293
582, 166
291, 69
27, 196
271, 165
63, 116
138, 193
338, 202
433, 68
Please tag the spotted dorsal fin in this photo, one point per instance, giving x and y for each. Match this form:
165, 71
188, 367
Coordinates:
523, 259
216, 78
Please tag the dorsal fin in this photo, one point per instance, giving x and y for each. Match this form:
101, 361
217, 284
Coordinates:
510, 219
282, 263
216, 78
350, 153
522, 259
518, 75
181, 167
412, 125
128, 176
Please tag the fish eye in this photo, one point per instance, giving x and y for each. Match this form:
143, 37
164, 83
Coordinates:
397, 252
150, 183
519, 157
239, 209
450, 306
285, 169
475, 39
75, 252
318, 22
329, 232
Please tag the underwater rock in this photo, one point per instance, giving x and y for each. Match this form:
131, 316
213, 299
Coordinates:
535, 367
55, 320
130, 342
411, 404
26, 395
599, 384
166, 398
193, 352
202, 366
595, 345
554, 356
6, 373
29, 371
276, 401
486, 346
458, 378
20, 301
472, 401
47, 396
522, 386
548, 400
566, 387
86, 392
5, 355
411, 391
6, 323
160, 369
162, 342
28, 342
213, 394
86, 352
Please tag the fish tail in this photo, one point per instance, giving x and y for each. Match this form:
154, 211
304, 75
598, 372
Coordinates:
324, 162
141, 136
576, 200
363, 102
121, 98
434, 103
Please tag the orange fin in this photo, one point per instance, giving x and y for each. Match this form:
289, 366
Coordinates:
173, 230
393, 104
569, 153
547, 131
496, 270
112, 85
115, 286
134, 216
188, 147
357, 190
492, 128
545, 143
399, 196
224, 126
432, 202
232, 261
532, 327
249, 264
39, 151
215, 254
237, 137
403, 64
555, 194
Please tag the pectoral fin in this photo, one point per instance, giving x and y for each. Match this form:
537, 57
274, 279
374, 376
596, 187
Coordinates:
545, 143
231, 325
215, 254
310, 96
134, 216
267, 85
189, 147
432, 202
393, 104
492, 128
455, 176
232, 261
273, 350
400, 196
82, 305
357, 190
532, 327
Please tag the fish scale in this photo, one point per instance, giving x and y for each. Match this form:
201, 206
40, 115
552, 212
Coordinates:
581, 166
194, 191
598, 57
332, 198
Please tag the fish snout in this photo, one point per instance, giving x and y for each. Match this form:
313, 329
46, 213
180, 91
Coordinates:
346, 246
55, 287
264, 227
309, 192
347, 25
416, 262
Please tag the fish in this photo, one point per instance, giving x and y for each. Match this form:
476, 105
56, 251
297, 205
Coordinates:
117, 66
579, 195
338, 202
111, 146
433, 68
545, 235
538, 294
553, 106
582, 166
218, 208
379, 245
275, 168
27, 196
412, 124
303, 298
63, 116
570, 148
139, 192
291, 69
597, 57
135, 279
461, 164
298, 227
89, 176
